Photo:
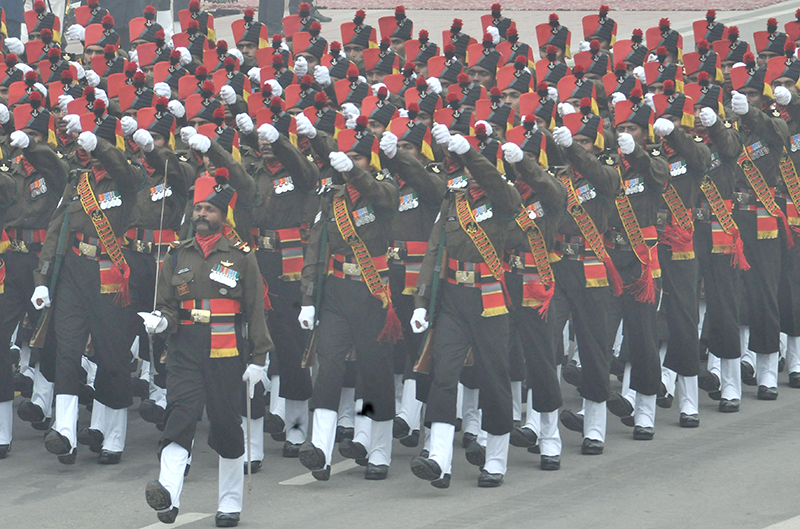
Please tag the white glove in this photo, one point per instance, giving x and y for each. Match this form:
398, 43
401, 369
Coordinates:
351, 113
186, 56
255, 75
244, 123
20, 139
652, 57
251, 376
154, 322
300, 67
129, 125
512, 153
584, 45
63, 101
495, 33
304, 126
162, 90
565, 108
376, 87
419, 319
340, 162
650, 100
552, 93
5, 115
535, 125
486, 124
87, 141
739, 103
233, 52
663, 127
144, 140
275, 87
389, 144
707, 117
76, 32
562, 137
441, 134
626, 143
41, 297
638, 73
616, 97
175, 108
15, 46
92, 79
306, 318
73, 124
79, 69
24, 68
100, 94
402, 112
434, 85
458, 144
227, 94
782, 95
133, 56
187, 133
200, 143
362, 79
322, 75
268, 133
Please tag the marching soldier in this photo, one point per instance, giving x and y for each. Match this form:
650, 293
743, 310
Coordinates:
210, 303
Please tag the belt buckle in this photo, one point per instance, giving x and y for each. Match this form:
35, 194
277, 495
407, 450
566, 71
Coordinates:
617, 238
19, 246
742, 198
702, 214
143, 246
265, 243
465, 276
570, 249
351, 269
201, 316
393, 253
88, 250
517, 262
661, 218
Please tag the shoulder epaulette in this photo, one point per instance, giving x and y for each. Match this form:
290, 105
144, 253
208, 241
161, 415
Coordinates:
655, 152
698, 139
243, 246
433, 167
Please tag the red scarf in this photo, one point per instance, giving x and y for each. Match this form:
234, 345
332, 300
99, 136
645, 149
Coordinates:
207, 242
353, 192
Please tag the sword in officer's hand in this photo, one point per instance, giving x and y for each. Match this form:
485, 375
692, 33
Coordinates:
153, 370
249, 439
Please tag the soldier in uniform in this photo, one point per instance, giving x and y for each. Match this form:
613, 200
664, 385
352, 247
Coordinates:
356, 311
210, 303
473, 312
631, 240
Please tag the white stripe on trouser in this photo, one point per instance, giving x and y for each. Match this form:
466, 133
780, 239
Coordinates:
347, 408
43, 392
116, 429
398, 391
550, 437
441, 450
363, 426
471, 421
6, 421
644, 411
516, 400
730, 370
380, 450
687, 394
257, 442
410, 408
277, 404
460, 401
91, 370
174, 459
231, 484
323, 433
532, 417
667, 374
496, 454
767, 370
594, 420
713, 365
98, 421
67, 418
627, 392
296, 421
793, 354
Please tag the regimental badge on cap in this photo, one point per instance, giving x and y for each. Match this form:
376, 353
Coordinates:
226, 276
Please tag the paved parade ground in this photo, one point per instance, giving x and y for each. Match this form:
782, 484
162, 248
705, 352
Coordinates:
736, 470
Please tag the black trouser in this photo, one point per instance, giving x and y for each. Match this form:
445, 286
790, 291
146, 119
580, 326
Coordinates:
459, 326
761, 284
270, 12
351, 317
80, 310
143, 285
14, 303
533, 338
639, 327
680, 305
721, 284
406, 351
196, 381
789, 290
289, 338
589, 307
